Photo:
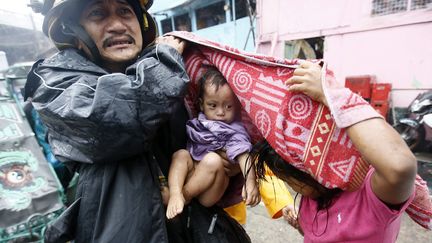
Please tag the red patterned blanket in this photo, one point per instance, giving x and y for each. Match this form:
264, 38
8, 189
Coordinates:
305, 133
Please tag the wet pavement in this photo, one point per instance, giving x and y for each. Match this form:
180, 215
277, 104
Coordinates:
262, 229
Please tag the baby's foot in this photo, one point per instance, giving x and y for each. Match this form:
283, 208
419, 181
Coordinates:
176, 204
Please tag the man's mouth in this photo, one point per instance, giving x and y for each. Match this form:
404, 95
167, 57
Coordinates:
118, 42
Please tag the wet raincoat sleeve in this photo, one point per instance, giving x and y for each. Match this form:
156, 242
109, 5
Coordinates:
93, 116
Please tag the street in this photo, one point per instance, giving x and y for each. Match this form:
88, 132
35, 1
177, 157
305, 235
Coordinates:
262, 229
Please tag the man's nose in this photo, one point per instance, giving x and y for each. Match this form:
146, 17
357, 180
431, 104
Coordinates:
116, 25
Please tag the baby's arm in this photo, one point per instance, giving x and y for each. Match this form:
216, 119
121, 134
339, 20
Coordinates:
250, 192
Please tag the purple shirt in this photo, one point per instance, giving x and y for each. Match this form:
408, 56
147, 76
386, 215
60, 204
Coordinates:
208, 136
358, 216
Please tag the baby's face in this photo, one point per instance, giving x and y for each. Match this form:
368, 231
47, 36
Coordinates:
220, 105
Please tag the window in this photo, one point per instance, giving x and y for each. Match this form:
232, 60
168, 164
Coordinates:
166, 25
312, 48
419, 4
182, 22
384, 7
242, 8
211, 15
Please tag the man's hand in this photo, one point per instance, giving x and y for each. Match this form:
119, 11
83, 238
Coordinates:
231, 169
172, 41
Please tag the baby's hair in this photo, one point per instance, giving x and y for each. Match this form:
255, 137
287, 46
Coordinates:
212, 76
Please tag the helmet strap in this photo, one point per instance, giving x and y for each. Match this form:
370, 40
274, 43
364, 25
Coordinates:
77, 31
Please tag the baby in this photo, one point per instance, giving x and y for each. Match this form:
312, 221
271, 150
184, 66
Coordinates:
216, 135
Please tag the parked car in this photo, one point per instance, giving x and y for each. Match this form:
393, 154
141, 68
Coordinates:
15, 77
18, 70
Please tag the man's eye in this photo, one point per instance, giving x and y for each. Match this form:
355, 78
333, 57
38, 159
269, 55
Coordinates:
125, 11
96, 13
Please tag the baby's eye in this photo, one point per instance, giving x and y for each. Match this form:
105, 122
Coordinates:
211, 105
229, 106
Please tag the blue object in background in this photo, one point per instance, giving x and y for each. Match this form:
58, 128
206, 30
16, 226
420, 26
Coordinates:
40, 130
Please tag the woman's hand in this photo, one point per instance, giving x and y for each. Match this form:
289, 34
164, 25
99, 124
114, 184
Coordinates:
172, 41
290, 215
307, 79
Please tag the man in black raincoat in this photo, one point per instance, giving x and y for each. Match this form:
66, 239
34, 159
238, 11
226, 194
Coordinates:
113, 105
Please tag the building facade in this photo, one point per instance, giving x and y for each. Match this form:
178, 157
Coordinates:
230, 22
390, 39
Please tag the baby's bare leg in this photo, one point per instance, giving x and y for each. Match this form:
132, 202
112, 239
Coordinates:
208, 182
181, 166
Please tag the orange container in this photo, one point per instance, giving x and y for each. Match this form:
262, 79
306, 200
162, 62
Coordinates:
381, 92
360, 84
381, 106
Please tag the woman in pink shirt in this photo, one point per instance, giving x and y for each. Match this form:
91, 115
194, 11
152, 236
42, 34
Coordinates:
370, 214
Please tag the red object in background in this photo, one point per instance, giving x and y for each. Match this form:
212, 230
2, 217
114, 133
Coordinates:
360, 84
381, 106
380, 92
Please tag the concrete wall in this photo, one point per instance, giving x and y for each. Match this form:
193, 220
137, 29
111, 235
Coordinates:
396, 48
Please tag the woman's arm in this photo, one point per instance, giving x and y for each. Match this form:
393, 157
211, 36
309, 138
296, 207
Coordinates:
395, 165
378, 143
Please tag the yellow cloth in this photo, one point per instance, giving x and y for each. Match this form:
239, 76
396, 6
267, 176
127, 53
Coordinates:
237, 212
274, 194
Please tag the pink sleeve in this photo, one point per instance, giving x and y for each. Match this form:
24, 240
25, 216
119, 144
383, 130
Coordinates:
379, 208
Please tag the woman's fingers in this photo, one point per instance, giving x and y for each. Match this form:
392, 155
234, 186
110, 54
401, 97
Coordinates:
307, 80
297, 88
305, 63
300, 71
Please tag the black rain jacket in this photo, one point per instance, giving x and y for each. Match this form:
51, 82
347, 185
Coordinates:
116, 130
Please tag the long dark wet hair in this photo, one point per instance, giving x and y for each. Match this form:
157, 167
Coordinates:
263, 154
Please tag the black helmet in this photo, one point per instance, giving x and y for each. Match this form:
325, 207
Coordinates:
61, 24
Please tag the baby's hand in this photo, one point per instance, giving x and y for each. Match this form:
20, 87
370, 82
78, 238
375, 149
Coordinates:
250, 193
307, 79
